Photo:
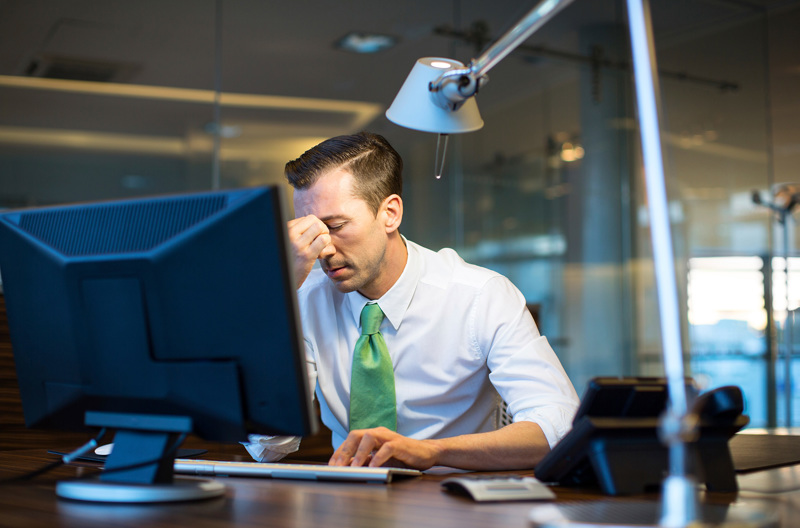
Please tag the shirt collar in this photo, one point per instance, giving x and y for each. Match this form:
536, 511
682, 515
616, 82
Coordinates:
394, 302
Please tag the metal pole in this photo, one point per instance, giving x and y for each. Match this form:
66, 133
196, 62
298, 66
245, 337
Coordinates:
788, 324
771, 337
215, 167
679, 500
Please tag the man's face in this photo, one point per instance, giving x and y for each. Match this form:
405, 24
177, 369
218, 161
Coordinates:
357, 235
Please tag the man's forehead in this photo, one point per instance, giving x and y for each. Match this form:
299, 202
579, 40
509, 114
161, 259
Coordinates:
331, 196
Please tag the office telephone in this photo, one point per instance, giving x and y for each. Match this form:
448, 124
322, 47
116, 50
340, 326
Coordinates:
614, 442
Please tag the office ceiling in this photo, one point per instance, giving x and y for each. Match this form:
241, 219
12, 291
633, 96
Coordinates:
278, 58
266, 48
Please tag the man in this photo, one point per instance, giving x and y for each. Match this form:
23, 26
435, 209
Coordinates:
456, 334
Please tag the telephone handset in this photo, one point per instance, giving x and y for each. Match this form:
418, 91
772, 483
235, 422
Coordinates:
614, 441
723, 405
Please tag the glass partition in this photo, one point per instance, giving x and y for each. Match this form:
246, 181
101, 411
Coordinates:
113, 99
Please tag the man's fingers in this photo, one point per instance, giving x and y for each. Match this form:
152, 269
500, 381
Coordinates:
380, 447
305, 231
302, 222
340, 458
363, 454
310, 239
298, 226
382, 455
359, 446
319, 244
344, 455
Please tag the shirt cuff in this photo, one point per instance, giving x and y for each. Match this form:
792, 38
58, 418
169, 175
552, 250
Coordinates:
271, 448
553, 427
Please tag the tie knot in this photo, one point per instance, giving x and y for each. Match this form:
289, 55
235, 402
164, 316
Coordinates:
371, 318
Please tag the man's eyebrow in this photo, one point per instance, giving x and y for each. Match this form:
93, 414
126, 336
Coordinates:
333, 218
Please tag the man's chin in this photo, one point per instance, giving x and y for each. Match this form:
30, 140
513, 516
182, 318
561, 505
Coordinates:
342, 283
346, 279
344, 286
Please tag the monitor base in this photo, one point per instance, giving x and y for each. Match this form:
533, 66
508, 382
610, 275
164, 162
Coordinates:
179, 490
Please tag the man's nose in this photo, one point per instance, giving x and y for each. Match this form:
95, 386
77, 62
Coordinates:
327, 252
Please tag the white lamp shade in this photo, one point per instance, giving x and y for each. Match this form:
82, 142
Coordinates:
414, 106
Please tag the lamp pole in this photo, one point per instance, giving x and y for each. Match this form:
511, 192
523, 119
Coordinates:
679, 497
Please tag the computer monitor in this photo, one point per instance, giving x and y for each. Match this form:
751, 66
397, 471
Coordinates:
156, 317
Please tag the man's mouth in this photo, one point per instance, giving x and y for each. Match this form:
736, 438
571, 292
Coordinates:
333, 271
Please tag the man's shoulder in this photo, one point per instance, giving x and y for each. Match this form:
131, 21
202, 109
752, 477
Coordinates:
447, 266
316, 284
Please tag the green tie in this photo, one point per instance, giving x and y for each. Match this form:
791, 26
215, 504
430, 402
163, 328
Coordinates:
372, 397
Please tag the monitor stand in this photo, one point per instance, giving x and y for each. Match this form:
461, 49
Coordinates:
178, 491
140, 468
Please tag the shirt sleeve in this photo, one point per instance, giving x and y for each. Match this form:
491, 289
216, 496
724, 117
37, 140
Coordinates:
524, 369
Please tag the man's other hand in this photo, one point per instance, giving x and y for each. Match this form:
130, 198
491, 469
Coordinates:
383, 447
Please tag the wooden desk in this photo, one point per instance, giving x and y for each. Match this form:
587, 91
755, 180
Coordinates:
413, 503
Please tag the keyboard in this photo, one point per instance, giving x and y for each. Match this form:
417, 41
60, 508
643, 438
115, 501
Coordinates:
291, 471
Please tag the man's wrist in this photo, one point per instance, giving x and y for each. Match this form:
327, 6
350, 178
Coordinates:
437, 450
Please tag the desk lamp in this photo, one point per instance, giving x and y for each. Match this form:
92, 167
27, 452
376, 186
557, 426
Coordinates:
438, 97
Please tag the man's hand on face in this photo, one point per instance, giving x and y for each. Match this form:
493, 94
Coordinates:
310, 240
383, 447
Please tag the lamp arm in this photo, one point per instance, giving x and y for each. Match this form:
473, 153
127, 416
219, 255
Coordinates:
511, 39
456, 86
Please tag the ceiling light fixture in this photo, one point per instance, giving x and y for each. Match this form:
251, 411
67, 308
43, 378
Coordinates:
362, 113
360, 42
225, 131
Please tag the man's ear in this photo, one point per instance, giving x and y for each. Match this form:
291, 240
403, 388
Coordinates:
392, 211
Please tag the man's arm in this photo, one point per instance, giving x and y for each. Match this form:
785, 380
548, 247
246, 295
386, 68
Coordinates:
520, 445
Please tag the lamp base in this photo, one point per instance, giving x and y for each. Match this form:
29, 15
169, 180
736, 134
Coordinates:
627, 514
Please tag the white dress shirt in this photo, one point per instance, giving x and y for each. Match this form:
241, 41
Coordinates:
458, 336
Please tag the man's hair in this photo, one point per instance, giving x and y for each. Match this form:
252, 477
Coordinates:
376, 167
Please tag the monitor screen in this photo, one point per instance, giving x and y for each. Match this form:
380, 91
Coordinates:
175, 306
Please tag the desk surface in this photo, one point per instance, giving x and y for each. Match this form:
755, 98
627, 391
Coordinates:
409, 503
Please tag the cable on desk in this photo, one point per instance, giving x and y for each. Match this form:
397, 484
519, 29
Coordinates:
64, 460
88, 446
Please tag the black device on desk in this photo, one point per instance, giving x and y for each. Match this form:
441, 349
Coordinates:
156, 317
614, 442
